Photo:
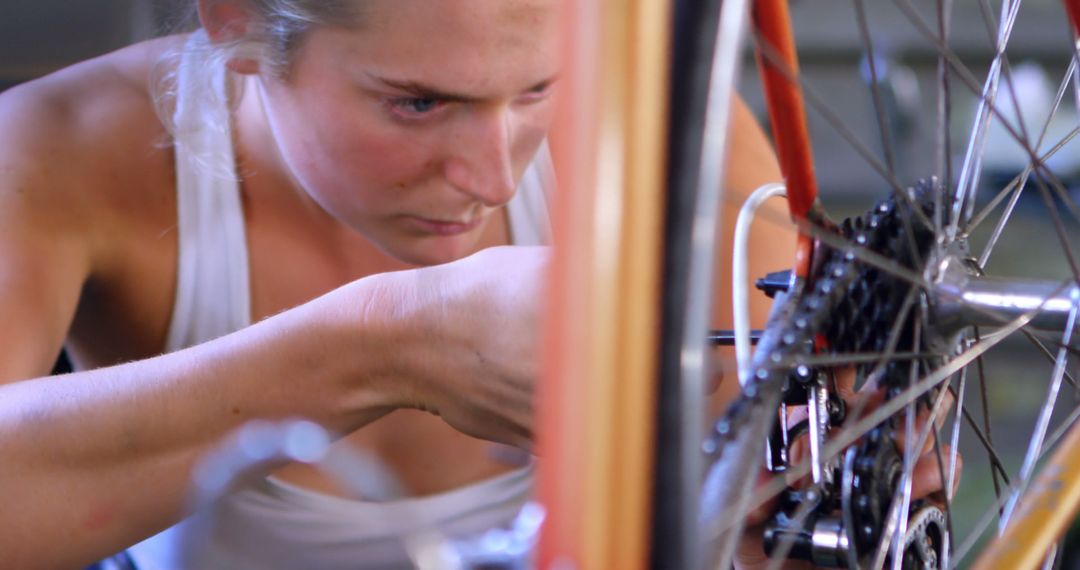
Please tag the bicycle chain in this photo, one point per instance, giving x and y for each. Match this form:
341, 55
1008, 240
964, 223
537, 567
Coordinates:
851, 303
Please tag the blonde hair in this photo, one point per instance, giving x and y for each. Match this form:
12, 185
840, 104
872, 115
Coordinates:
278, 27
276, 33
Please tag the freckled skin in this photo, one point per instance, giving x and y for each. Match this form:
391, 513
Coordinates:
371, 165
98, 519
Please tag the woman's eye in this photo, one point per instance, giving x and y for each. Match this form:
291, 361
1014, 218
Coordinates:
415, 106
537, 94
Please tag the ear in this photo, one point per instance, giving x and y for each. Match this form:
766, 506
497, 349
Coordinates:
228, 21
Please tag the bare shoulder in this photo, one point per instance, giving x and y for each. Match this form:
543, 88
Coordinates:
74, 143
86, 197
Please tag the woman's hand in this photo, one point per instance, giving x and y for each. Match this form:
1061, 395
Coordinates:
470, 340
926, 479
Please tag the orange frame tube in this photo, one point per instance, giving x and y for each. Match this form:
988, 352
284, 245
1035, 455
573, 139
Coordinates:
787, 116
1073, 9
596, 402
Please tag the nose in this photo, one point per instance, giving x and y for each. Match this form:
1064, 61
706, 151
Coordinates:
479, 163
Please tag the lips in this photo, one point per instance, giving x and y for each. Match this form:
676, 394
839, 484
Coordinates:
445, 228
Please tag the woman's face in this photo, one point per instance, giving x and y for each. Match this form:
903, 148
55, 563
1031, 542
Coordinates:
416, 127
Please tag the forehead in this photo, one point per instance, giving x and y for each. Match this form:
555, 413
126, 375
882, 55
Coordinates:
483, 47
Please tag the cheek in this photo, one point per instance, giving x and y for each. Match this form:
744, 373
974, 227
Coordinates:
358, 160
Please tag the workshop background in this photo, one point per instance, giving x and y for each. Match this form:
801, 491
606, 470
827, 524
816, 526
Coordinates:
39, 36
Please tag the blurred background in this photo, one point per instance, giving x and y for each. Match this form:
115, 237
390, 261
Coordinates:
834, 62
39, 36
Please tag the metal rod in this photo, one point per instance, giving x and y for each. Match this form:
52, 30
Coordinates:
997, 300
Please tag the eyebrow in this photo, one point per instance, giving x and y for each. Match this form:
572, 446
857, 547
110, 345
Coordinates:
421, 91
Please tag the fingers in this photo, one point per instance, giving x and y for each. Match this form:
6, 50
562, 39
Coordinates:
845, 382
509, 455
926, 476
942, 403
715, 379
764, 511
861, 401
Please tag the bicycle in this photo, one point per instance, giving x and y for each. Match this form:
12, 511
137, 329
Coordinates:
899, 294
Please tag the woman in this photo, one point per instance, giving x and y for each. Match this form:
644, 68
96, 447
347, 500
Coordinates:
298, 165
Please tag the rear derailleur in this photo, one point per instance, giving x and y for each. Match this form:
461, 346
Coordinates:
842, 516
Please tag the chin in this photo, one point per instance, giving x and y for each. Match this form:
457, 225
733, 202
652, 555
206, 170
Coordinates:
434, 250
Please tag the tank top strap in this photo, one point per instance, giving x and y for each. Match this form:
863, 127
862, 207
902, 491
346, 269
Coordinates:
212, 288
530, 222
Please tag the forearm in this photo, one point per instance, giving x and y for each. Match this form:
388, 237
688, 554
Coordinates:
93, 461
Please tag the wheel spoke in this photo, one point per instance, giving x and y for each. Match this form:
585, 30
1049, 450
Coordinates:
989, 439
1022, 180
947, 551
944, 115
955, 217
875, 89
911, 453
995, 461
1015, 187
1076, 76
1050, 356
967, 186
1059, 227
1069, 423
1058, 99
954, 439
968, 79
1035, 448
978, 530
999, 503
924, 385
892, 522
817, 102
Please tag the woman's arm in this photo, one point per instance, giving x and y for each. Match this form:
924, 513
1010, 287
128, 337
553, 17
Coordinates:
94, 461
91, 462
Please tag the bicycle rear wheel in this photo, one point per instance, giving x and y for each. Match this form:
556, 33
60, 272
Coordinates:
901, 293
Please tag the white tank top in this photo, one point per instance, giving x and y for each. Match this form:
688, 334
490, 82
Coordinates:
272, 524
